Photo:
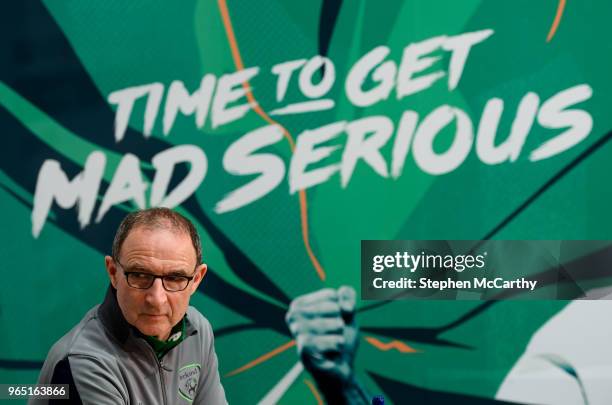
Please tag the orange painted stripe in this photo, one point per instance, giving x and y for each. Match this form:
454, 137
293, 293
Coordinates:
306, 236
394, 344
557, 21
262, 358
231, 37
314, 391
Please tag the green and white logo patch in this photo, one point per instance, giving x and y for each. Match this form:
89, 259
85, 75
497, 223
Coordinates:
189, 376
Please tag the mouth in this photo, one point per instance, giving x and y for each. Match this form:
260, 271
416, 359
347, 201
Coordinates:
154, 315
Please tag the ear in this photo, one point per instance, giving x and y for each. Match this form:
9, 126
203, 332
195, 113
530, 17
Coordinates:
111, 269
199, 276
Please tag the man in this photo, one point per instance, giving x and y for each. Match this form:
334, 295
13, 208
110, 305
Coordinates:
323, 324
143, 344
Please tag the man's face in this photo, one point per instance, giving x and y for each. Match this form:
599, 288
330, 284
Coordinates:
155, 311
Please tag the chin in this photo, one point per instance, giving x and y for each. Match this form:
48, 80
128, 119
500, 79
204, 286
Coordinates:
157, 333
154, 330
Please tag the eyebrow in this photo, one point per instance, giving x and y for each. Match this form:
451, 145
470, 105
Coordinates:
177, 273
142, 269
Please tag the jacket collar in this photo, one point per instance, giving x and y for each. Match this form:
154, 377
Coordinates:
115, 323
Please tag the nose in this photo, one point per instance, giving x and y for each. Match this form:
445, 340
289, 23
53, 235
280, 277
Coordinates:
156, 295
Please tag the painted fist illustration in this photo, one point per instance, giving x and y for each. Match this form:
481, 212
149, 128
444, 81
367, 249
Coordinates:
323, 324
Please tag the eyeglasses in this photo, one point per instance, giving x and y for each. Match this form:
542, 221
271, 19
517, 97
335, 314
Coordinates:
143, 281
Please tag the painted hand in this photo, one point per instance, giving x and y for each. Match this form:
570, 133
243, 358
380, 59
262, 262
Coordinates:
323, 324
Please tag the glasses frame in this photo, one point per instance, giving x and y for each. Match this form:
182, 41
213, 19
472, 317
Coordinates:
127, 280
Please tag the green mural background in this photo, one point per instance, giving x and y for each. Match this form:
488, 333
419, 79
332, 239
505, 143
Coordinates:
63, 59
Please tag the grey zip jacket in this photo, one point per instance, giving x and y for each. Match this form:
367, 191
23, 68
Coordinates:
104, 361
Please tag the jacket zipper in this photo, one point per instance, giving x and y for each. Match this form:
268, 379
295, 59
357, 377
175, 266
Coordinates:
160, 369
161, 379
161, 375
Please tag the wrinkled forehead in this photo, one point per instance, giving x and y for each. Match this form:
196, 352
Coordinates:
160, 242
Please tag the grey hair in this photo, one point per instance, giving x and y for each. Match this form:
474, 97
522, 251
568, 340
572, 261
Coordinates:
154, 218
